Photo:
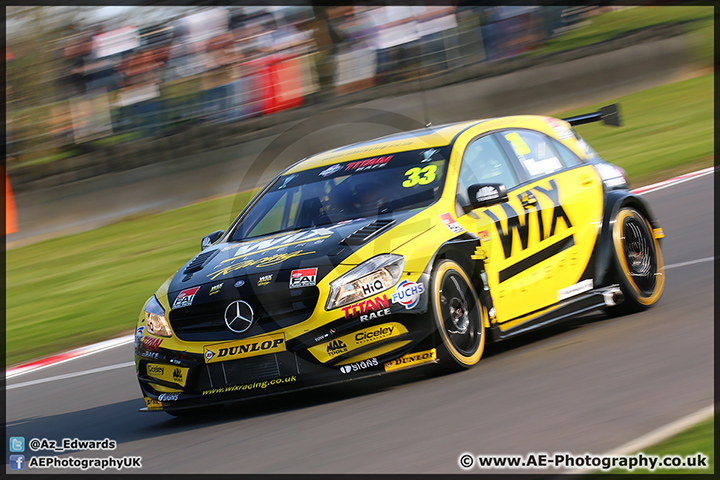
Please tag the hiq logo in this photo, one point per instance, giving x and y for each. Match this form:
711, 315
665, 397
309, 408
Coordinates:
17, 444
17, 462
408, 293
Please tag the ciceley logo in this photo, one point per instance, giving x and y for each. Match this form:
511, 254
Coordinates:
522, 228
336, 347
249, 347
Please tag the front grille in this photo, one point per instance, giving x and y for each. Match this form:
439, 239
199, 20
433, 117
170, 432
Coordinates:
245, 371
273, 309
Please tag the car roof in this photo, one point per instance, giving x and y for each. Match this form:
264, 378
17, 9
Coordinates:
428, 137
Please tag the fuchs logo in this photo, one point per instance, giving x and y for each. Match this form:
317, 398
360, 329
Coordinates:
330, 170
305, 277
369, 309
151, 343
185, 298
336, 347
408, 293
368, 164
355, 367
177, 375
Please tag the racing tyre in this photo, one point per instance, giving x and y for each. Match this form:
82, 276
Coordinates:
459, 317
638, 262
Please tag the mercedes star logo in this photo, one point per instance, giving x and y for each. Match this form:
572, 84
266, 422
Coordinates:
238, 316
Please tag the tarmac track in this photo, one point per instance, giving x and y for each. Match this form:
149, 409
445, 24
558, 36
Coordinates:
586, 386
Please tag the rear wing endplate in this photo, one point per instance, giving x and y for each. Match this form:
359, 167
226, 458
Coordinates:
608, 114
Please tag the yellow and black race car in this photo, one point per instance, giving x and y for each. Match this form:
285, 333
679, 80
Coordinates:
408, 250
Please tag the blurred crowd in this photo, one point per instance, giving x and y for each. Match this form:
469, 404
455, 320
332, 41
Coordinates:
221, 64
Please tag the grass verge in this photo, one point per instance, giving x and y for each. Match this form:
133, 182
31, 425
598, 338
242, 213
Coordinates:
697, 439
71, 291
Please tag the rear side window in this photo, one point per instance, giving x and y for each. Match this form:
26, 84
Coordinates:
534, 151
567, 157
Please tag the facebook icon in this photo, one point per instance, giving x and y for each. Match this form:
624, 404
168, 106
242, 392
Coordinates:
17, 462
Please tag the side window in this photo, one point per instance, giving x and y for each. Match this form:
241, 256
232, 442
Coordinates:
484, 162
534, 152
567, 157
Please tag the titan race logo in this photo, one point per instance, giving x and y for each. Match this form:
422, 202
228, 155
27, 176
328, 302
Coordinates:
369, 309
515, 225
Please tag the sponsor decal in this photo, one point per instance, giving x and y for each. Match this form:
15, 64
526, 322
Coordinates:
371, 288
411, 359
356, 367
215, 288
169, 397
304, 277
153, 355
370, 163
251, 386
152, 404
486, 193
138, 336
428, 154
257, 262
273, 243
167, 373
151, 343
185, 298
326, 335
347, 343
368, 309
249, 347
561, 131
483, 235
408, 293
575, 289
264, 280
287, 180
514, 225
330, 170
239, 283
336, 347
451, 224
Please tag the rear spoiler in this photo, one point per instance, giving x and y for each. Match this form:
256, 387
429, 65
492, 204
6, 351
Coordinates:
608, 114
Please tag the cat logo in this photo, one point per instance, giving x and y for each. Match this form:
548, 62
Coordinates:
336, 347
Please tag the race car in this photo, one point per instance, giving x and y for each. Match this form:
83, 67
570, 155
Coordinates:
410, 250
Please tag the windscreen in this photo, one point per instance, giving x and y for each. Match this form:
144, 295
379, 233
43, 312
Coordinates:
346, 191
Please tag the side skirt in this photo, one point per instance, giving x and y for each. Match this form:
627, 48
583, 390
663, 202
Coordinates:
586, 302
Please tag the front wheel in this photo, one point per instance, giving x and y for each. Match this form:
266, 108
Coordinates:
459, 316
638, 262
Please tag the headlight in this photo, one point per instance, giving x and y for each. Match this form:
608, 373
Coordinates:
612, 176
155, 318
371, 277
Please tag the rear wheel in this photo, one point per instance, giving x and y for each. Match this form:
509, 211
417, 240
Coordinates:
459, 316
638, 262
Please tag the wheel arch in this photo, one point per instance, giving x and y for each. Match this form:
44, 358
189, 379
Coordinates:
614, 201
460, 250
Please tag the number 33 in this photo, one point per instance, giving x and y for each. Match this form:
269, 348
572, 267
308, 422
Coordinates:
414, 177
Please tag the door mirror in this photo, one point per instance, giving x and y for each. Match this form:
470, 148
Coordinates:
210, 239
486, 194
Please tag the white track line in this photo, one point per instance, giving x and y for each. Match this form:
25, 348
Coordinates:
69, 375
656, 436
108, 344
691, 262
